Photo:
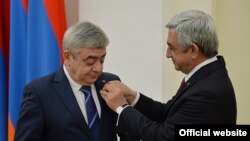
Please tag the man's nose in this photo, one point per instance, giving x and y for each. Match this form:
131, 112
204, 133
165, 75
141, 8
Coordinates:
97, 67
168, 53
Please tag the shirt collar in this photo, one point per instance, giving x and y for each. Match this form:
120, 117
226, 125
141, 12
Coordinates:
210, 60
74, 85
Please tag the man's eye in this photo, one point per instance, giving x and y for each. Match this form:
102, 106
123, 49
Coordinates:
170, 48
102, 60
90, 61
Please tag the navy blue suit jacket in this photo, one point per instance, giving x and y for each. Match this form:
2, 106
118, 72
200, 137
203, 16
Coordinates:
207, 98
50, 112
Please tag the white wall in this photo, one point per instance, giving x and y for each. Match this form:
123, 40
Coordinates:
134, 28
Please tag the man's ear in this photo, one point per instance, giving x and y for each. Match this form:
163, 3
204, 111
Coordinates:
66, 57
195, 50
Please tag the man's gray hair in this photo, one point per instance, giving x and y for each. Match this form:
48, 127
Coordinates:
84, 34
194, 26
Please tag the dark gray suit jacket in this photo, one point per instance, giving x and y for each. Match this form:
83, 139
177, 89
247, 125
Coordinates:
50, 112
207, 98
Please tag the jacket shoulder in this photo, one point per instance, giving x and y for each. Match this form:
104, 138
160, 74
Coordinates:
107, 76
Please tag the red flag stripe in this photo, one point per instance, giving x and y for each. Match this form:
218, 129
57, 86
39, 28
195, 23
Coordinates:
25, 5
4, 7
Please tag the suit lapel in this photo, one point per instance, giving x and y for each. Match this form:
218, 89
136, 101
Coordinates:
98, 86
108, 117
179, 93
200, 74
66, 94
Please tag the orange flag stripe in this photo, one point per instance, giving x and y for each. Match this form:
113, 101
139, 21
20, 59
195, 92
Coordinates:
11, 130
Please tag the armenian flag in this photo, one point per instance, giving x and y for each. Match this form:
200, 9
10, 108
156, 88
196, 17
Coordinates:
36, 32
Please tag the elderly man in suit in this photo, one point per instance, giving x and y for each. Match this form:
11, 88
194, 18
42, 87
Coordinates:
206, 97
54, 107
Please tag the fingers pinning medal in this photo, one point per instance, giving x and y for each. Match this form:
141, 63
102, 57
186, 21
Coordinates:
104, 94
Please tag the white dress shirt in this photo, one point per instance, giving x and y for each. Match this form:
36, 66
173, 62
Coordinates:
80, 98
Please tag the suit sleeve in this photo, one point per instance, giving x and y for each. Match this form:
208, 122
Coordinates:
30, 123
141, 127
199, 108
154, 110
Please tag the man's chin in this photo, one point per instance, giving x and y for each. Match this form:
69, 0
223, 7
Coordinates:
92, 80
177, 68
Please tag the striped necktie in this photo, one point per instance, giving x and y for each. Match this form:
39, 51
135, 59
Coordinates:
93, 118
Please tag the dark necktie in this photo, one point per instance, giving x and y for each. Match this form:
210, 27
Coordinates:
182, 84
93, 118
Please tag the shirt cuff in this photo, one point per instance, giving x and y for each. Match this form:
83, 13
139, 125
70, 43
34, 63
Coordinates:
136, 99
121, 108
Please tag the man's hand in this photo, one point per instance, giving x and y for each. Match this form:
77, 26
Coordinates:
116, 94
